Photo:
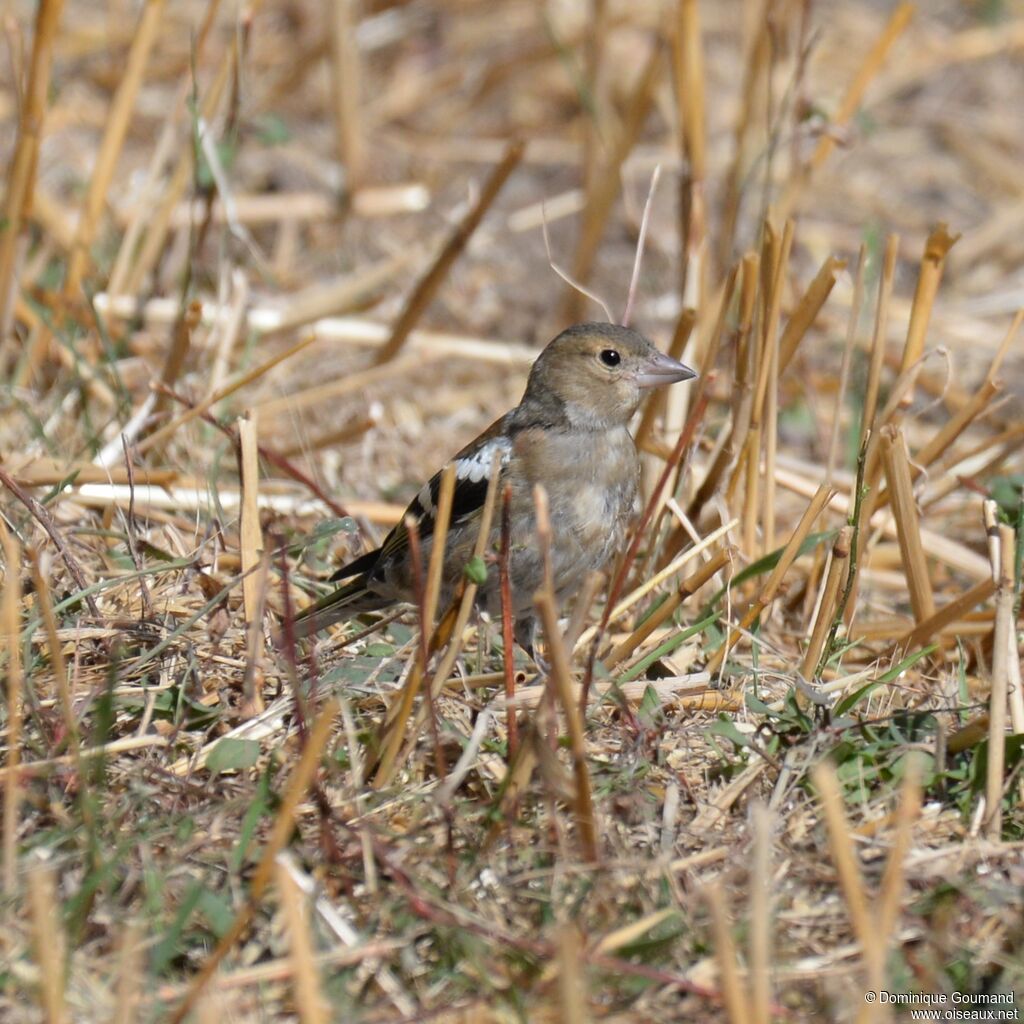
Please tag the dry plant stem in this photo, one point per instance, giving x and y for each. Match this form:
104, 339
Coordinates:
251, 551
427, 286
807, 309
425, 632
346, 92
878, 338
437, 552
15, 711
584, 600
48, 943
938, 244
634, 280
32, 769
947, 434
400, 709
274, 458
736, 1003
619, 580
308, 997
827, 607
687, 692
65, 698
298, 785
346, 385
561, 677
468, 596
1003, 572
45, 520
606, 188
341, 295
897, 23
185, 324
224, 335
891, 889
345, 435
771, 415
57, 665
21, 177
1005, 345
115, 128
285, 640
166, 144
593, 117
850, 881
507, 630
760, 916
356, 760
755, 62
771, 587
750, 460
281, 969
129, 976
153, 243
861, 506
130, 530
572, 988
869, 68
253, 675
951, 612
688, 58
908, 526
709, 357
166, 431
844, 369
773, 266
743, 402
687, 588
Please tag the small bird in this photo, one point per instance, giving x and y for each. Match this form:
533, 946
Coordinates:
570, 433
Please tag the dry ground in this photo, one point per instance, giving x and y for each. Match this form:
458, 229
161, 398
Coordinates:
246, 206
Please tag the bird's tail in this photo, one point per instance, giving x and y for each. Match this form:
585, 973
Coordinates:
352, 599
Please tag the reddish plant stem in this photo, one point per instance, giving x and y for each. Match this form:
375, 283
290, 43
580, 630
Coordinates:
507, 638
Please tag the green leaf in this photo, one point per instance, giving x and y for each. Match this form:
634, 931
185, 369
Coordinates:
894, 673
726, 728
217, 911
666, 647
649, 708
316, 541
168, 947
476, 571
231, 754
1006, 492
255, 811
766, 563
272, 130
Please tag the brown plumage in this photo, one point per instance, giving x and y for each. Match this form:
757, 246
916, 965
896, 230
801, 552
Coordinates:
570, 434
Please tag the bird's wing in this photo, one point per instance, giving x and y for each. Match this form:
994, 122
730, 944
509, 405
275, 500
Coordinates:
472, 472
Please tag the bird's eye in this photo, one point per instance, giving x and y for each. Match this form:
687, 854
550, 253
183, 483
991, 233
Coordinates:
610, 357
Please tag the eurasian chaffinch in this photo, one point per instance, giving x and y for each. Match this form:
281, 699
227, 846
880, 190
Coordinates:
570, 434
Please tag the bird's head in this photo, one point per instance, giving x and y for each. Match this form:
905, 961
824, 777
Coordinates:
599, 372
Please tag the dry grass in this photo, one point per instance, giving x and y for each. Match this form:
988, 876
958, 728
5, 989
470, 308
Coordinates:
263, 266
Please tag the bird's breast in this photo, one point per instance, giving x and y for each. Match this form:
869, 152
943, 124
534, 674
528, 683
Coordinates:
593, 492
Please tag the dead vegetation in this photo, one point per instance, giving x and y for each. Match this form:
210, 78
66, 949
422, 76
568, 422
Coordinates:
264, 266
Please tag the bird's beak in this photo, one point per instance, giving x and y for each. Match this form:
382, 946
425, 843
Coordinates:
662, 369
